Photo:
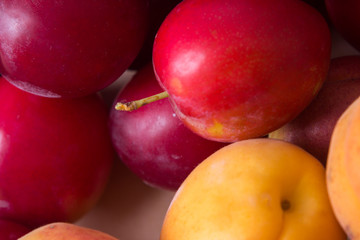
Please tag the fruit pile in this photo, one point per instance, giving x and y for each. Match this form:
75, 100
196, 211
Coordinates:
238, 110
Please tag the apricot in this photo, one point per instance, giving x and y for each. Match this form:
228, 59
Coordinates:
343, 180
253, 189
62, 231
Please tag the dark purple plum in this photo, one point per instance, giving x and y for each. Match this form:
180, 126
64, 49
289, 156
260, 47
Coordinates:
152, 141
313, 128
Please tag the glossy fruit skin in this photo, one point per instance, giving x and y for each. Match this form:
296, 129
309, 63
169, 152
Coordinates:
312, 128
152, 141
69, 48
55, 155
240, 69
10, 230
345, 17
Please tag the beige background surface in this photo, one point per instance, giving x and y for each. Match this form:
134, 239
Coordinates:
131, 210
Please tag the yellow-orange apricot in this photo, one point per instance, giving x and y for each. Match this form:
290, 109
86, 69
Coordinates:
258, 189
343, 178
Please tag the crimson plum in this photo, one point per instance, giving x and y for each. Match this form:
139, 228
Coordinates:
69, 48
55, 154
241, 69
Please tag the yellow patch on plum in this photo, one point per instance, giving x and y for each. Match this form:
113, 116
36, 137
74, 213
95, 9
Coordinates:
317, 88
176, 84
216, 129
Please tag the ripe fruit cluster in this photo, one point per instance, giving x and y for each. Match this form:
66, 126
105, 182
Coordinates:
234, 74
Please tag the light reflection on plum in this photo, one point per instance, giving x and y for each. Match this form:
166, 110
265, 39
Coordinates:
188, 62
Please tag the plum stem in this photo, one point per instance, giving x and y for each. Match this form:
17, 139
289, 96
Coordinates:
133, 105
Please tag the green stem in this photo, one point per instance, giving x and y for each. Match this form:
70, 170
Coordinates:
133, 105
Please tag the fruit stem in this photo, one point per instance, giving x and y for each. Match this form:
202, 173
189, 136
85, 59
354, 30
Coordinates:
133, 105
